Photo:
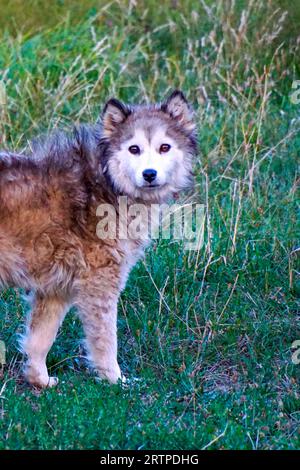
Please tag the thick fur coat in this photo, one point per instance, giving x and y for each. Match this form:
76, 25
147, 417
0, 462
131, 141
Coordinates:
48, 219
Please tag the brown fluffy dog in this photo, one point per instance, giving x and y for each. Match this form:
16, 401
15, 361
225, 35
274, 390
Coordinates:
48, 203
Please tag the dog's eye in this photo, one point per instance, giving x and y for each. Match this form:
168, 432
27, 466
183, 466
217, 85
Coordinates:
164, 148
134, 149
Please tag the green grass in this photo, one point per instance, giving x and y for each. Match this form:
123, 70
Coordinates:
207, 335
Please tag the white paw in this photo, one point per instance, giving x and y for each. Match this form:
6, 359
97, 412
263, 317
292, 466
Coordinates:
112, 375
40, 380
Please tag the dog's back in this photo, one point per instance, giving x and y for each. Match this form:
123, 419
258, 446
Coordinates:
44, 202
14, 194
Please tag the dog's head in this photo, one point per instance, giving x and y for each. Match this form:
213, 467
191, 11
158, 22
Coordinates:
147, 150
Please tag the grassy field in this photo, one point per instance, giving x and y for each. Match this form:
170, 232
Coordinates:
205, 337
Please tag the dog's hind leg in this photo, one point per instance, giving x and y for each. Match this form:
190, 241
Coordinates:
43, 323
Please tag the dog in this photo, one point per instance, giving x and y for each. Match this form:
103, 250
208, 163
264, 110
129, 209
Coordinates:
48, 218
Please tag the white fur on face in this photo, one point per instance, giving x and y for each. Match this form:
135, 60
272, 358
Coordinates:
150, 157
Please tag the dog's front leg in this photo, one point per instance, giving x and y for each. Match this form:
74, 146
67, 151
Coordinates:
97, 302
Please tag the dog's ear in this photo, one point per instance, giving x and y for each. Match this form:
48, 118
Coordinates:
114, 114
178, 108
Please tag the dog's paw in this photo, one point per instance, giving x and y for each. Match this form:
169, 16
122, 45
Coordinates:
44, 383
40, 380
112, 374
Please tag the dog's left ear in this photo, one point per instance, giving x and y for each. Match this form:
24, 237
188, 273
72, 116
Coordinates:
114, 114
178, 108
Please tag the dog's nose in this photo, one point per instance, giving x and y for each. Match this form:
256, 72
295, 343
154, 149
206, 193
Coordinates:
149, 175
